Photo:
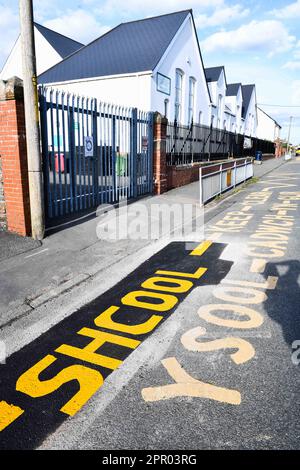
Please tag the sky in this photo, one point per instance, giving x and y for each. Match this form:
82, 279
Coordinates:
257, 41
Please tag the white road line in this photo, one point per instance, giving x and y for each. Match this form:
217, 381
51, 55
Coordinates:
36, 254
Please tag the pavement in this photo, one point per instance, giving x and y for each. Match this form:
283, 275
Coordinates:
198, 341
12, 245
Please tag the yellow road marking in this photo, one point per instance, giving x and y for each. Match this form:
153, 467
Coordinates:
8, 414
258, 265
196, 275
202, 248
215, 236
187, 386
246, 208
245, 350
269, 284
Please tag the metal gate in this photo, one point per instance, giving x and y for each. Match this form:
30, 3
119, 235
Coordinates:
93, 152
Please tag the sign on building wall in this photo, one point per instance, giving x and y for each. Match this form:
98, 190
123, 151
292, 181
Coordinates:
247, 143
163, 83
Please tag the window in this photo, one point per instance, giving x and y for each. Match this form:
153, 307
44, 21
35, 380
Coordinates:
200, 117
219, 110
178, 94
224, 124
192, 86
166, 103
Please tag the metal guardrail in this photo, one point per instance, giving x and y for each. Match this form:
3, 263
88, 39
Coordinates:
224, 176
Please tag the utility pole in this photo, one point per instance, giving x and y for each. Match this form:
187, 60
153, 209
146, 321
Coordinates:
289, 135
32, 120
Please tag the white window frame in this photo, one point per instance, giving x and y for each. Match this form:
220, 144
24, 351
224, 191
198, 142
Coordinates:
178, 94
200, 117
192, 92
220, 98
166, 107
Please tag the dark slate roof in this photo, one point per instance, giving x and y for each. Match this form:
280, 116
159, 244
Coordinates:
213, 73
232, 89
247, 91
131, 47
63, 45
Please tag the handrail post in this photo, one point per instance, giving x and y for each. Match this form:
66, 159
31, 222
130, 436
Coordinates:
234, 173
201, 186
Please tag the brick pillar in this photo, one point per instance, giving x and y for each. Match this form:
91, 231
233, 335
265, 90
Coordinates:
13, 156
2, 201
159, 154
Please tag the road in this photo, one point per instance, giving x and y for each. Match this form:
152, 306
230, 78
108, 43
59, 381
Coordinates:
194, 348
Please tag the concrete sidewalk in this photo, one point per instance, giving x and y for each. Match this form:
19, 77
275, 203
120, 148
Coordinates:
12, 245
75, 254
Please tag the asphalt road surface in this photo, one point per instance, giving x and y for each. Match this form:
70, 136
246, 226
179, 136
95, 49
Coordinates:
197, 348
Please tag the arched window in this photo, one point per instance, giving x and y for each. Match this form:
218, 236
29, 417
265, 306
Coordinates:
178, 94
166, 105
192, 88
220, 101
200, 118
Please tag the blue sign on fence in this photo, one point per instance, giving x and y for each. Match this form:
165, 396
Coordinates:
88, 147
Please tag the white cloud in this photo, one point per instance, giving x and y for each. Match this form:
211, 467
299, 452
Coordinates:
221, 16
269, 36
78, 25
288, 12
296, 54
292, 65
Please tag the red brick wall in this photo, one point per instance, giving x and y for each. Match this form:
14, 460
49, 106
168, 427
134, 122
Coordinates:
159, 154
180, 176
2, 201
14, 166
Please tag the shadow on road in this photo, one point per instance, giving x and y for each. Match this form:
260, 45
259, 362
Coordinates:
283, 304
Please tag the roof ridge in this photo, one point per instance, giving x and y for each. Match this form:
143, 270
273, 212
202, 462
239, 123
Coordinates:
56, 32
157, 16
